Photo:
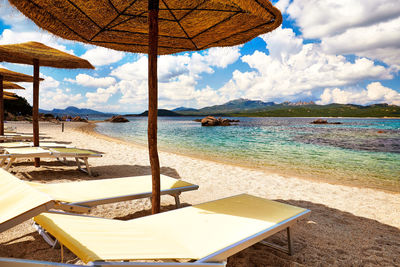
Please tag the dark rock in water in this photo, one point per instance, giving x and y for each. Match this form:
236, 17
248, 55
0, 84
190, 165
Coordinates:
77, 118
321, 121
212, 121
118, 118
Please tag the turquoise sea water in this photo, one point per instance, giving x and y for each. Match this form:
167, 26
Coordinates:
362, 152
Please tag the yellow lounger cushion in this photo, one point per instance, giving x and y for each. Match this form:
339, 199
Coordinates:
67, 150
15, 144
188, 233
98, 189
30, 144
16, 197
27, 150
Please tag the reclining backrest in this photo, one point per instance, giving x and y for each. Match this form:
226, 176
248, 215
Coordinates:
19, 201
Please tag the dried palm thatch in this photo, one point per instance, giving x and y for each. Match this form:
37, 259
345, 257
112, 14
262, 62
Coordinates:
184, 25
13, 86
25, 53
6, 93
8, 97
12, 76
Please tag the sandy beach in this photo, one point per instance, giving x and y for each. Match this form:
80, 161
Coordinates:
348, 226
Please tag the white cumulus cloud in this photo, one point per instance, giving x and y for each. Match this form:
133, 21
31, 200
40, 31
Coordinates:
100, 56
368, 28
294, 70
374, 93
101, 95
178, 76
87, 80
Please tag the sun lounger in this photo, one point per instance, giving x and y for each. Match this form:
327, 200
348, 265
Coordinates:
208, 232
19, 201
81, 196
30, 144
11, 154
205, 233
9, 262
16, 137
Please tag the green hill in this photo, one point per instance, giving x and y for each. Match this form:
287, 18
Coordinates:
18, 107
331, 110
249, 108
160, 113
238, 105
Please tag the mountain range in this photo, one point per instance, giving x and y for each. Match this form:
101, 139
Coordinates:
257, 108
74, 111
252, 108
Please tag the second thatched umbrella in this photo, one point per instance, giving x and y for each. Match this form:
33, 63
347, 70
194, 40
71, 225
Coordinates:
157, 28
12, 86
38, 54
9, 76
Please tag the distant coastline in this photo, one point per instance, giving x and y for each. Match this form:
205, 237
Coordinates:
234, 108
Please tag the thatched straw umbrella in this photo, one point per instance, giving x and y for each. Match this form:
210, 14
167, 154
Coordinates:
6, 93
10, 76
156, 28
38, 54
9, 97
12, 86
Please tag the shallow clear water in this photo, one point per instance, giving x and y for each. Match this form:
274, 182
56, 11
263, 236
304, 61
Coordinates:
358, 151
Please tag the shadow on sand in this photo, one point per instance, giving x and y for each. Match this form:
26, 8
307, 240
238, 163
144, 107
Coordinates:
54, 170
329, 237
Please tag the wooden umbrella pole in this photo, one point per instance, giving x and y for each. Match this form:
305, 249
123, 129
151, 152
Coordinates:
1, 106
153, 104
35, 108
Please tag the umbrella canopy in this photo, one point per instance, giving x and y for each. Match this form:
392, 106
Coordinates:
13, 86
12, 76
185, 25
25, 53
154, 27
38, 54
5, 93
9, 97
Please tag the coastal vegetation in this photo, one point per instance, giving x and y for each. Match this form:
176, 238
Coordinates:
251, 108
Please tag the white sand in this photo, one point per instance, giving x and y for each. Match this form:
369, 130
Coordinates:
348, 225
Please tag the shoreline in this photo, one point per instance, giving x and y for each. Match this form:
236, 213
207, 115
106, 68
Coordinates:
90, 128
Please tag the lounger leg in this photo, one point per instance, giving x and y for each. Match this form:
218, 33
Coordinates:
78, 163
10, 162
87, 166
290, 241
288, 250
49, 240
177, 200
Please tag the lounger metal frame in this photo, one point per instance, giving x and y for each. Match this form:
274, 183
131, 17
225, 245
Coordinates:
50, 154
15, 138
85, 206
32, 263
222, 255
27, 215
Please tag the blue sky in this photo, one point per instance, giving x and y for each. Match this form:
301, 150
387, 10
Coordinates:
327, 51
